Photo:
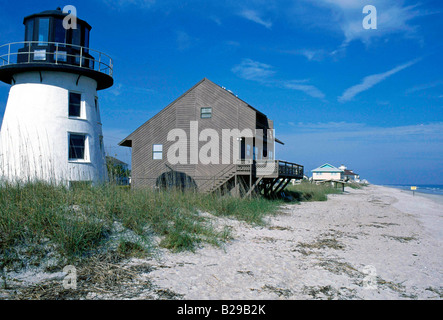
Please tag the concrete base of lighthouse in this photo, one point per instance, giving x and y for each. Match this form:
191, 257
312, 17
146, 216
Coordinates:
34, 137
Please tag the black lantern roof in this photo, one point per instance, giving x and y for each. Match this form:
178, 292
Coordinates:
49, 46
58, 13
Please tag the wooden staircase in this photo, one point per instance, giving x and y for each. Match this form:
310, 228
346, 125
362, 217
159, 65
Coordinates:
217, 182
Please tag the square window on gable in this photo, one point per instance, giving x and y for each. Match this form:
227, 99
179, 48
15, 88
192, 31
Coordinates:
206, 113
157, 152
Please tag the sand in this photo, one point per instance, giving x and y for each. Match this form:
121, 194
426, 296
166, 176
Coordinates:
370, 243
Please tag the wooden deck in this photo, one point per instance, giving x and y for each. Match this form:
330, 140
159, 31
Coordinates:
271, 169
266, 177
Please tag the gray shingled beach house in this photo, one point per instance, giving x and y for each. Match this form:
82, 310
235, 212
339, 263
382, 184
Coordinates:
241, 165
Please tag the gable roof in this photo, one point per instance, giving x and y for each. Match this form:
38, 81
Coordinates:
327, 168
115, 161
127, 142
350, 173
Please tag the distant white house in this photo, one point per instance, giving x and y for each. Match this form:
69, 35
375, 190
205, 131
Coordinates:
349, 175
327, 172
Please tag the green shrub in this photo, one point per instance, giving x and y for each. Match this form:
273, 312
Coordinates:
307, 191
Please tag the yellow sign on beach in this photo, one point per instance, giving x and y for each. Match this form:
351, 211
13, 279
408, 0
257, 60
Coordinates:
413, 188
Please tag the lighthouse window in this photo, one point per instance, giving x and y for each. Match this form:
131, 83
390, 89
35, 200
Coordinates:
97, 110
43, 30
100, 138
61, 56
39, 55
76, 36
60, 32
29, 30
77, 144
75, 100
86, 44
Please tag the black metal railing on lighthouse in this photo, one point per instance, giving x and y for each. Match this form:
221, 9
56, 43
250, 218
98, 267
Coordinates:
55, 53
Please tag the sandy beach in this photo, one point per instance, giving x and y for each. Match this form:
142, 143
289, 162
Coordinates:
370, 243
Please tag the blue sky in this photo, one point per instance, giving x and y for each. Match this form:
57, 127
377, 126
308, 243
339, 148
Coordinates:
338, 93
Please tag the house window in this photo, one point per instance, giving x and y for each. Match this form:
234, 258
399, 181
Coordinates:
77, 146
75, 104
157, 152
206, 113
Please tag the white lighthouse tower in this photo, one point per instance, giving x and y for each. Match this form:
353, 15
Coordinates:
51, 129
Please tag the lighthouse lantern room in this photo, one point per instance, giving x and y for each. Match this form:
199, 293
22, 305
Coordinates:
51, 129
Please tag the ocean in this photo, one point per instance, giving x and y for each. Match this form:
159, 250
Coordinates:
423, 188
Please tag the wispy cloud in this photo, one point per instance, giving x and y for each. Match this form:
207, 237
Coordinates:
351, 130
306, 88
370, 81
183, 40
310, 54
121, 89
253, 70
254, 16
265, 74
393, 18
423, 87
143, 4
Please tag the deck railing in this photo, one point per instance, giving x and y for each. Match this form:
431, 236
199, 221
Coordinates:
278, 168
27, 52
290, 169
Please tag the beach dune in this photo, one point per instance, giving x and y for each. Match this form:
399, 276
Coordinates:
370, 243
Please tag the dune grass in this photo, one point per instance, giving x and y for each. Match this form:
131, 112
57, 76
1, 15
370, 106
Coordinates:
81, 220
307, 191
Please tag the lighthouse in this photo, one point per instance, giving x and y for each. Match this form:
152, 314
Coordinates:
51, 130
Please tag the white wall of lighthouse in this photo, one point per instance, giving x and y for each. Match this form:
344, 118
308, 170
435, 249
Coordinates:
35, 133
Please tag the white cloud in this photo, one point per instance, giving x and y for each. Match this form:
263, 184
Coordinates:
252, 70
425, 87
116, 4
349, 131
263, 73
306, 88
183, 40
253, 15
370, 81
310, 54
393, 17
